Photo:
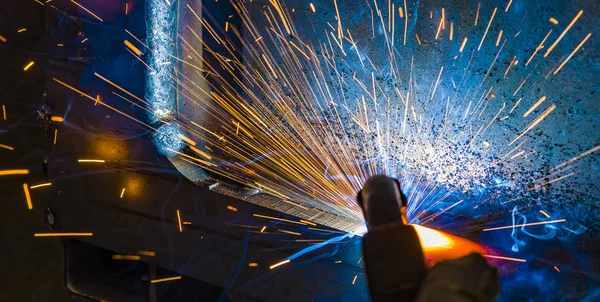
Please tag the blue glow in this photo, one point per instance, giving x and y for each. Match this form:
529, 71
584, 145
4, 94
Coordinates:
160, 89
167, 137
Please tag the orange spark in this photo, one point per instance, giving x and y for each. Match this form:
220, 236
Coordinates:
57, 119
7, 147
3, 39
280, 219
289, 232
354, 280
179, 221
279, 264
90, 160
505, 258
545, 214
487, 28
122, 192
41, 185
28, 66
14, 172
563, 33
63, 234
147, 253
133, 48
252, 264
87, 10
572, 53
462, 46
165, 279
537, 104
499, 38
232, 208
508, 5
553, 21
27, 196
126, 257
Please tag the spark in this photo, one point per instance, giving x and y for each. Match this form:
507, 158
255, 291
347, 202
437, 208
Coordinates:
312, 8
279, 219
487, 28
55, 135
28, 66
232, 208
41, 185
534, 123
122, 192
477, 15
553, 21
524, 225
354, 280
3, 39
126, 8
499, 38
462, 46
4, 112
545, 214
14, 172
508, 5
57, 119
22, 30
563, 33
63, 234
84, 40
308, 222
289, 232
515, 106
279, 264
7, 147
87, 10
91, 160
263, 228
517, 155
556, 268
27, 196
572, 53
537, 104
405, 22
132, 47
436, 83
187, 140
165, 279
147, 253
451, 30
418, 40
437, 33
252, 264
552, 181
179, 221
584, 154
505, 258
126, 257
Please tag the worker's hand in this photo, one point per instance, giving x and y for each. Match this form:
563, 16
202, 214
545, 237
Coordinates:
467, 279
